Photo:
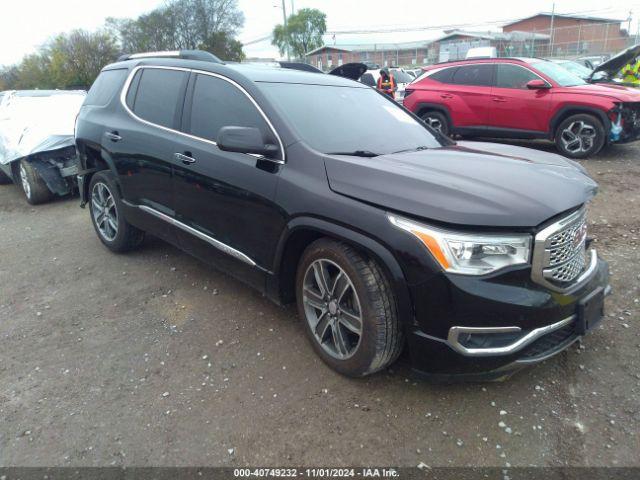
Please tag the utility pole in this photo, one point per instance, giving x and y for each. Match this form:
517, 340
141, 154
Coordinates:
551, 33
286, 31
293, 8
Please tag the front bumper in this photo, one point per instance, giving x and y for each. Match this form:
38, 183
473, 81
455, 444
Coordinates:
533, 323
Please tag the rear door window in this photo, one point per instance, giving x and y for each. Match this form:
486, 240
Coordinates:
159, 95
105, 86
443, 76
514, 76
480, 75
217, 103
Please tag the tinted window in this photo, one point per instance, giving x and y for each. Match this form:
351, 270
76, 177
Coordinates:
513, 76
345, 119
368, 79
105, 87
216, 104
443, 76
133, 88
479, 75
158, 95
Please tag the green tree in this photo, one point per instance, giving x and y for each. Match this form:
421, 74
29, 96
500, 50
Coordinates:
183, 24
223, 46
303, 33
76, 58
34, 72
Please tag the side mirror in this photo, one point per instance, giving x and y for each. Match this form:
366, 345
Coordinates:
537, 84
244, 140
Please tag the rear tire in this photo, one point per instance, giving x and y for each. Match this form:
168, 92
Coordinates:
107, 215
438, 121
353, 326
32, 185
580, 136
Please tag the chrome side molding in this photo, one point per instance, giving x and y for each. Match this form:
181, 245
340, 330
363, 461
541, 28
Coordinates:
223, 247
455, 332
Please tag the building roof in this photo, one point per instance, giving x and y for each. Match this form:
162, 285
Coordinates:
369, 46
373, 45
505, 36
560, 15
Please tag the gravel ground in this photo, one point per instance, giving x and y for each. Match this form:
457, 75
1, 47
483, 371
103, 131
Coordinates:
152, 358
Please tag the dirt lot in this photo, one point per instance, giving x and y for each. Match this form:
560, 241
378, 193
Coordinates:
152, 358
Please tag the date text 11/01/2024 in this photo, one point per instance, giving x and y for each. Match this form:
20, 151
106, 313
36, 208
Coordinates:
316, 472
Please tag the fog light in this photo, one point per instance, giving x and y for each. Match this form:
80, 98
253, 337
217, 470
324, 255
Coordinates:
488, 340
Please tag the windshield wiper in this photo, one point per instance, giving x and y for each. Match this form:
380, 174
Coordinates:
356, 153
415, 149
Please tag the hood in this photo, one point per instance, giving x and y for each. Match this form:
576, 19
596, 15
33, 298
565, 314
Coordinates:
471, 184
350, 70
612, 66
618, 92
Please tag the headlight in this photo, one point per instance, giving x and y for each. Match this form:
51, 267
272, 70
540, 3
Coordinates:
468, 253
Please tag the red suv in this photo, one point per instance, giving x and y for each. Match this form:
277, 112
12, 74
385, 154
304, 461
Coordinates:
525, 98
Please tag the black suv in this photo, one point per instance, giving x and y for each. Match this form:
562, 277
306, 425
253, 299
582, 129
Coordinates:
472, 257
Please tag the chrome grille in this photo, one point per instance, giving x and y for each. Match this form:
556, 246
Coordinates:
568, 271
559, 256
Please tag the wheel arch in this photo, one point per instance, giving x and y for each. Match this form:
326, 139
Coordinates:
568, 110
93, 160
424, 107
302, 231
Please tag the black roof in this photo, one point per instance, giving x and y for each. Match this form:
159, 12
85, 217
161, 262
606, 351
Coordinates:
241, 71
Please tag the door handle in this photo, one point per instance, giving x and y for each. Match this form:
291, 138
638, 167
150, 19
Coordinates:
499, 100
113, 136
446, 95
185, 158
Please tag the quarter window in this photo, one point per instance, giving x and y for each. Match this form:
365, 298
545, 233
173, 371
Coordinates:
478, 75
216, 104
105, 86
158, 95
513, 76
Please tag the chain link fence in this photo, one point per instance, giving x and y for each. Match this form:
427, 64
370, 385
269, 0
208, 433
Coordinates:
583, 38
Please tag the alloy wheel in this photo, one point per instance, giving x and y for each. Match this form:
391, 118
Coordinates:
26, 186
578, 137
434, 123
104, 211
332, 308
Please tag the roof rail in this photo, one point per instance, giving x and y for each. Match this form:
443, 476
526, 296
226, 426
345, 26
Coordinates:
183, 54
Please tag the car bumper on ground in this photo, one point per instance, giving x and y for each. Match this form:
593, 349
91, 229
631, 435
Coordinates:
531, 325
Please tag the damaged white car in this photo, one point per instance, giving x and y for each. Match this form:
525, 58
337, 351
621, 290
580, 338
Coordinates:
37, 148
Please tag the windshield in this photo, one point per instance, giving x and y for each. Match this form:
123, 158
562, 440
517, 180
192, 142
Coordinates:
559, 74
401, 77
576, 68
348, 119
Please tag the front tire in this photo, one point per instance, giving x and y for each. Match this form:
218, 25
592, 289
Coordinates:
348, 309
438, 121
31, 183
107, 215
580, 136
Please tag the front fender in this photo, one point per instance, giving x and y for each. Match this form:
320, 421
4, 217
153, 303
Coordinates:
372, 247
